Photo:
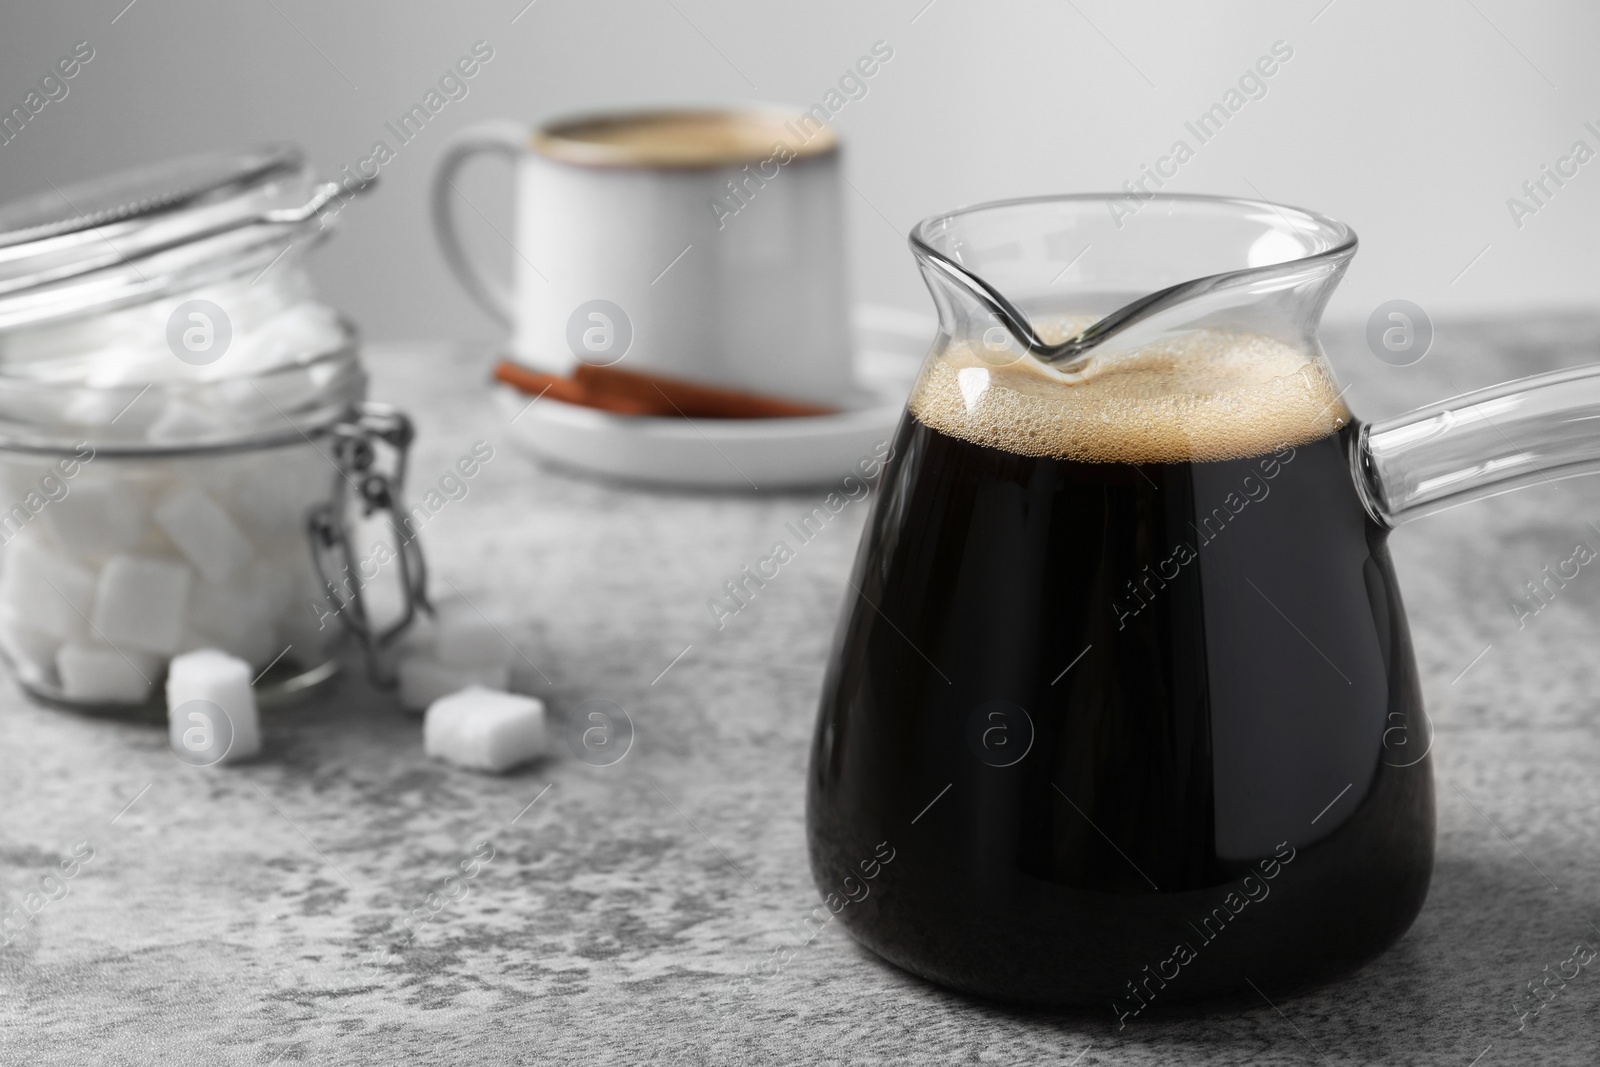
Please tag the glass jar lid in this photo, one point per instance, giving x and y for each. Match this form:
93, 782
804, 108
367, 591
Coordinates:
107, 287
153, 229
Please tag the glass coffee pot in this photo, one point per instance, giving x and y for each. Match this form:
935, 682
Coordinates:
1124, 683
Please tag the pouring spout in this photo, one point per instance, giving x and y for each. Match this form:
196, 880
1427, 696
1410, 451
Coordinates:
1191, 261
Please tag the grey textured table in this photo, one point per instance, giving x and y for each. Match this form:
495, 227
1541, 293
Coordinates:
226, 914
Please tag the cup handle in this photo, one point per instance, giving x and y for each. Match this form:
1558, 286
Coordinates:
503, 138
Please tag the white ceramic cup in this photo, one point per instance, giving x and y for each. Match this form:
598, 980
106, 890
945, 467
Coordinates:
704, 244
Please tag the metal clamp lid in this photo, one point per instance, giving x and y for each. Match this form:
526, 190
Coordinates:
360, 477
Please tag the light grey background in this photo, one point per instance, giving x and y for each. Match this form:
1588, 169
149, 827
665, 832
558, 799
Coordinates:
1413, 122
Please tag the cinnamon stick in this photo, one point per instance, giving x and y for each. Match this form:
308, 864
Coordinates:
638, 393
691, 399
565, 389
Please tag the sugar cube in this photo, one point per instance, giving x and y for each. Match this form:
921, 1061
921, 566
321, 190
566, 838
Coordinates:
424, 680
484, 729
52, 592
140, 603
218, 681
204, 533
104, 675
98, 518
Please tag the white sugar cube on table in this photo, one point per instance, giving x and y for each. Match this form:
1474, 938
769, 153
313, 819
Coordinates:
101, 674
424, 679
219, 679
55, 594
484, 729
140, 603
204, 533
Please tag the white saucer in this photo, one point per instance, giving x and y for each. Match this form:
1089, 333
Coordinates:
736, 453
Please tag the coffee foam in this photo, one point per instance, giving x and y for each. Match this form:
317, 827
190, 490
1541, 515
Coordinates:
1205, 395
682, 138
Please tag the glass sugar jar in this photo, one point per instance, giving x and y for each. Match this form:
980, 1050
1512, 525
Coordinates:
186, 448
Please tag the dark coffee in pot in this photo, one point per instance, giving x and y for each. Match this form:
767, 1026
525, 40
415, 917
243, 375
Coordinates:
1125, 683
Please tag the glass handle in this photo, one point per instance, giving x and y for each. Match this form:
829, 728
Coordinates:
1480, 444
357, 455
